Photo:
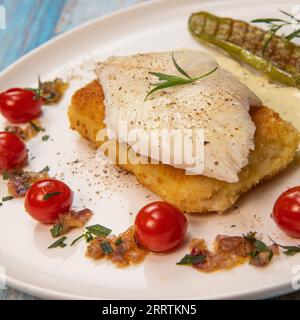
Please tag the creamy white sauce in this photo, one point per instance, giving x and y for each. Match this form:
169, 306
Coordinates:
282, 99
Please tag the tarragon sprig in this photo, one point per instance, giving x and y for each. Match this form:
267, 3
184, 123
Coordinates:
275, 24
168, 81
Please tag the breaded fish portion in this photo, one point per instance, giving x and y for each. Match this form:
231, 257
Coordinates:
276, 143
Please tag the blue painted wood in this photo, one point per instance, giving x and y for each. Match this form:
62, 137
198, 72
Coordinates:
78, 11
32, 22
28, 24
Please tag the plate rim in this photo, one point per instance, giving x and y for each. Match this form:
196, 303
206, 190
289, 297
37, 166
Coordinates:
268, 291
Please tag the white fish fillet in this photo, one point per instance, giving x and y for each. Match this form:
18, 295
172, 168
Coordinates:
218, 103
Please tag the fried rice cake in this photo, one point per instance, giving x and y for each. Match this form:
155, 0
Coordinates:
276, 144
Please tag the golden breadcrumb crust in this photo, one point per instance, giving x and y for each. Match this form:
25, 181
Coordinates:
276, 142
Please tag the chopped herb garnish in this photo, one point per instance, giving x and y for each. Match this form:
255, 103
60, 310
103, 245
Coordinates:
77, 239
274, 25
45, 137
259, 246
289, 250
91, 231
36, 91
190, 259
8, 198
50, 195
168, 81
56, 230
59, 243
250, 236
118, 242
99, 230
106, 247
88, 236
5, 175
36, 127
52, 91
46, 169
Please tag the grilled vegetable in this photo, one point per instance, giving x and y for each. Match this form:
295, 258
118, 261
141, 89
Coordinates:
279, 60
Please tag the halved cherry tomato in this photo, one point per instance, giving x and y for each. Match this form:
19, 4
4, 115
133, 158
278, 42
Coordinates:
48, 198
160, 226
19, 105
286, 212
13, 152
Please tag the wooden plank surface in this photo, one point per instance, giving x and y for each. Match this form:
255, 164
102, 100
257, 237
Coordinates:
29, 23
32, 22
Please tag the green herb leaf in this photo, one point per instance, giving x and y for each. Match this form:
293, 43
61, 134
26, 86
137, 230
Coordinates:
272, 33
189, 259
45, 137
99, 230
293, 35
168, 84
267, 20
90, 231
37, 92
164, 77
77, 239
46, 169
88, 237
289, 15
36, 127
8, 198
179, 69
250, 236
118, 242
50, 195
59, 243
289, 250
106, 247
56, 230
5, 175
171, 80
275, 25
259, 245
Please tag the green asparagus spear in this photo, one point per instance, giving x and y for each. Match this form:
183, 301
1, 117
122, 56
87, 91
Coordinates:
279, 59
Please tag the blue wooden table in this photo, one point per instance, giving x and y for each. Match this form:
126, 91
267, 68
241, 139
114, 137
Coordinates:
29, 23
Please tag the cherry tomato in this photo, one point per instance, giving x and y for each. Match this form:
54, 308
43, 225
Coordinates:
286, 212
13, 152
160, 226
48, 198
20, 105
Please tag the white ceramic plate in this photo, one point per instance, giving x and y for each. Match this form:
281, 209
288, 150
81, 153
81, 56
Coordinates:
66, 273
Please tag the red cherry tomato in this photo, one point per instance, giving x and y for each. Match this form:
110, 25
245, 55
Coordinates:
286, 212
13, 153
46, 199
160, 226
20, 105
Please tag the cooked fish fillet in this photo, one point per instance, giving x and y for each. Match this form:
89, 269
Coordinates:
217, 104
276, 143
